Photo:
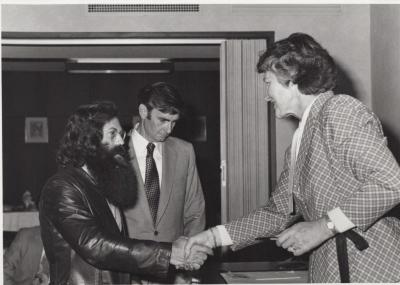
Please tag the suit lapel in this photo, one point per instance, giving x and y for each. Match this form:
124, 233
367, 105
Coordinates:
141, 192
308, 133
169, 158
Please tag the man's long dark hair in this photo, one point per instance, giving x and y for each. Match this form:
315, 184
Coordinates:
110, 167
84, 132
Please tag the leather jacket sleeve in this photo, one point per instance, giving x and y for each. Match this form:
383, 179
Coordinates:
70, 218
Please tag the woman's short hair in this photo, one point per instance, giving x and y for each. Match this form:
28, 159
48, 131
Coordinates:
84, 133
163, 97
301, 60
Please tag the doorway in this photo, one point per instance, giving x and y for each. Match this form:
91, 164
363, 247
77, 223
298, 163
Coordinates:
52, 91
231, 191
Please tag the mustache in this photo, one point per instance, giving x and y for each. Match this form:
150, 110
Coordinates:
117, 150
120, 160
118, 155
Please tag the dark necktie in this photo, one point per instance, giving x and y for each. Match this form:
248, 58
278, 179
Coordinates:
151, 184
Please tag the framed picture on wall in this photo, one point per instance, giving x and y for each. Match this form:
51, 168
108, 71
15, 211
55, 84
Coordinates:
36, 130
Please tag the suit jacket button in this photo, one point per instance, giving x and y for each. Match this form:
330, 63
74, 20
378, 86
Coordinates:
155, 233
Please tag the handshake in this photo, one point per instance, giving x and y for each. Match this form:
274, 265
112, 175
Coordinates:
190, 253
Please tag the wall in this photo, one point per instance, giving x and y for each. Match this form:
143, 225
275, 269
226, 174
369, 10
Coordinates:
343, 29
385, 62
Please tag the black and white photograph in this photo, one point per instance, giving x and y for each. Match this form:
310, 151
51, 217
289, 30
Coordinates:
200, 142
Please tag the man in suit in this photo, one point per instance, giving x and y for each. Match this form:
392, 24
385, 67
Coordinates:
22, 259
171, 205
83, 228
338, 175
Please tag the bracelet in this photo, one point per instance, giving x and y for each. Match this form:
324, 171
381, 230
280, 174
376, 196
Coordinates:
213, 235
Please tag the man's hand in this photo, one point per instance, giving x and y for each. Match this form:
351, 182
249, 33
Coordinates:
204, 238
304, 236
194, 260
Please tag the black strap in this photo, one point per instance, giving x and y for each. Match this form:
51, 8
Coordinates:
359, 242
343, 259
341, 250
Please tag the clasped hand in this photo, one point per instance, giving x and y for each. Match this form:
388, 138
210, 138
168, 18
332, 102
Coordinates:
191, 261
303, 237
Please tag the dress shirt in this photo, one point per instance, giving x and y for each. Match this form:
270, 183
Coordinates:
140, 147
336, 215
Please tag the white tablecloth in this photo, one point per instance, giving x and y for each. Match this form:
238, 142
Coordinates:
13, 221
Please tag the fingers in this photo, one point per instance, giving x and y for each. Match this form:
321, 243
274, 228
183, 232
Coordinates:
188, 247
195, 261
289, 242
202, 238
297, 250
197, 256
283, 237
203, 249
194, 266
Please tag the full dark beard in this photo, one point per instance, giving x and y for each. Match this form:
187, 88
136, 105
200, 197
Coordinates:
115, 176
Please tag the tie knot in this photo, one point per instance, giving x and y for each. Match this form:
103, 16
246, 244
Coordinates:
150, 148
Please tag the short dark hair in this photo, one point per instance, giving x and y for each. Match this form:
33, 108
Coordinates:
301, 60
84, 132
163, 97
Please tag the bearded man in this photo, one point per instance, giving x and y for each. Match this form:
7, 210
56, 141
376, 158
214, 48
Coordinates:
82, 224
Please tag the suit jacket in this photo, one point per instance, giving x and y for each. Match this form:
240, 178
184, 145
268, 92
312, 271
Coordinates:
22, 258
344, 162
181, 205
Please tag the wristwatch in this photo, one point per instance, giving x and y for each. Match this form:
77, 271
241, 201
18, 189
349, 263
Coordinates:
330, 225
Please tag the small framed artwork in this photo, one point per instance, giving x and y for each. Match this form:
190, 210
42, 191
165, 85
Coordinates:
36, 130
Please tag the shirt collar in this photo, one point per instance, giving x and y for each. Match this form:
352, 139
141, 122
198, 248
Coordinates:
140, 143
305, 115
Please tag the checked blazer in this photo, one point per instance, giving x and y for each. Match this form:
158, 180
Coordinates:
344, 162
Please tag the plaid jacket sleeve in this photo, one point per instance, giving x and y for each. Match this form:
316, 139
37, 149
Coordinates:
268, 220
361, 147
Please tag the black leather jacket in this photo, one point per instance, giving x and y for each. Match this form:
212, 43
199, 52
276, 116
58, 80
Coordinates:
82, 241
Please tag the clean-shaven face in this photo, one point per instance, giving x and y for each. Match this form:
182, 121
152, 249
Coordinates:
283, 97
158, 125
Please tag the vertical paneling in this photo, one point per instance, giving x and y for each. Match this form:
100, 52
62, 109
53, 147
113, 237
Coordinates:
265, 134
223, 133
247, 132
234, 125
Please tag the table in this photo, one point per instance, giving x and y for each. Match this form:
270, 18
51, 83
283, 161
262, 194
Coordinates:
13, 221
210, 272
